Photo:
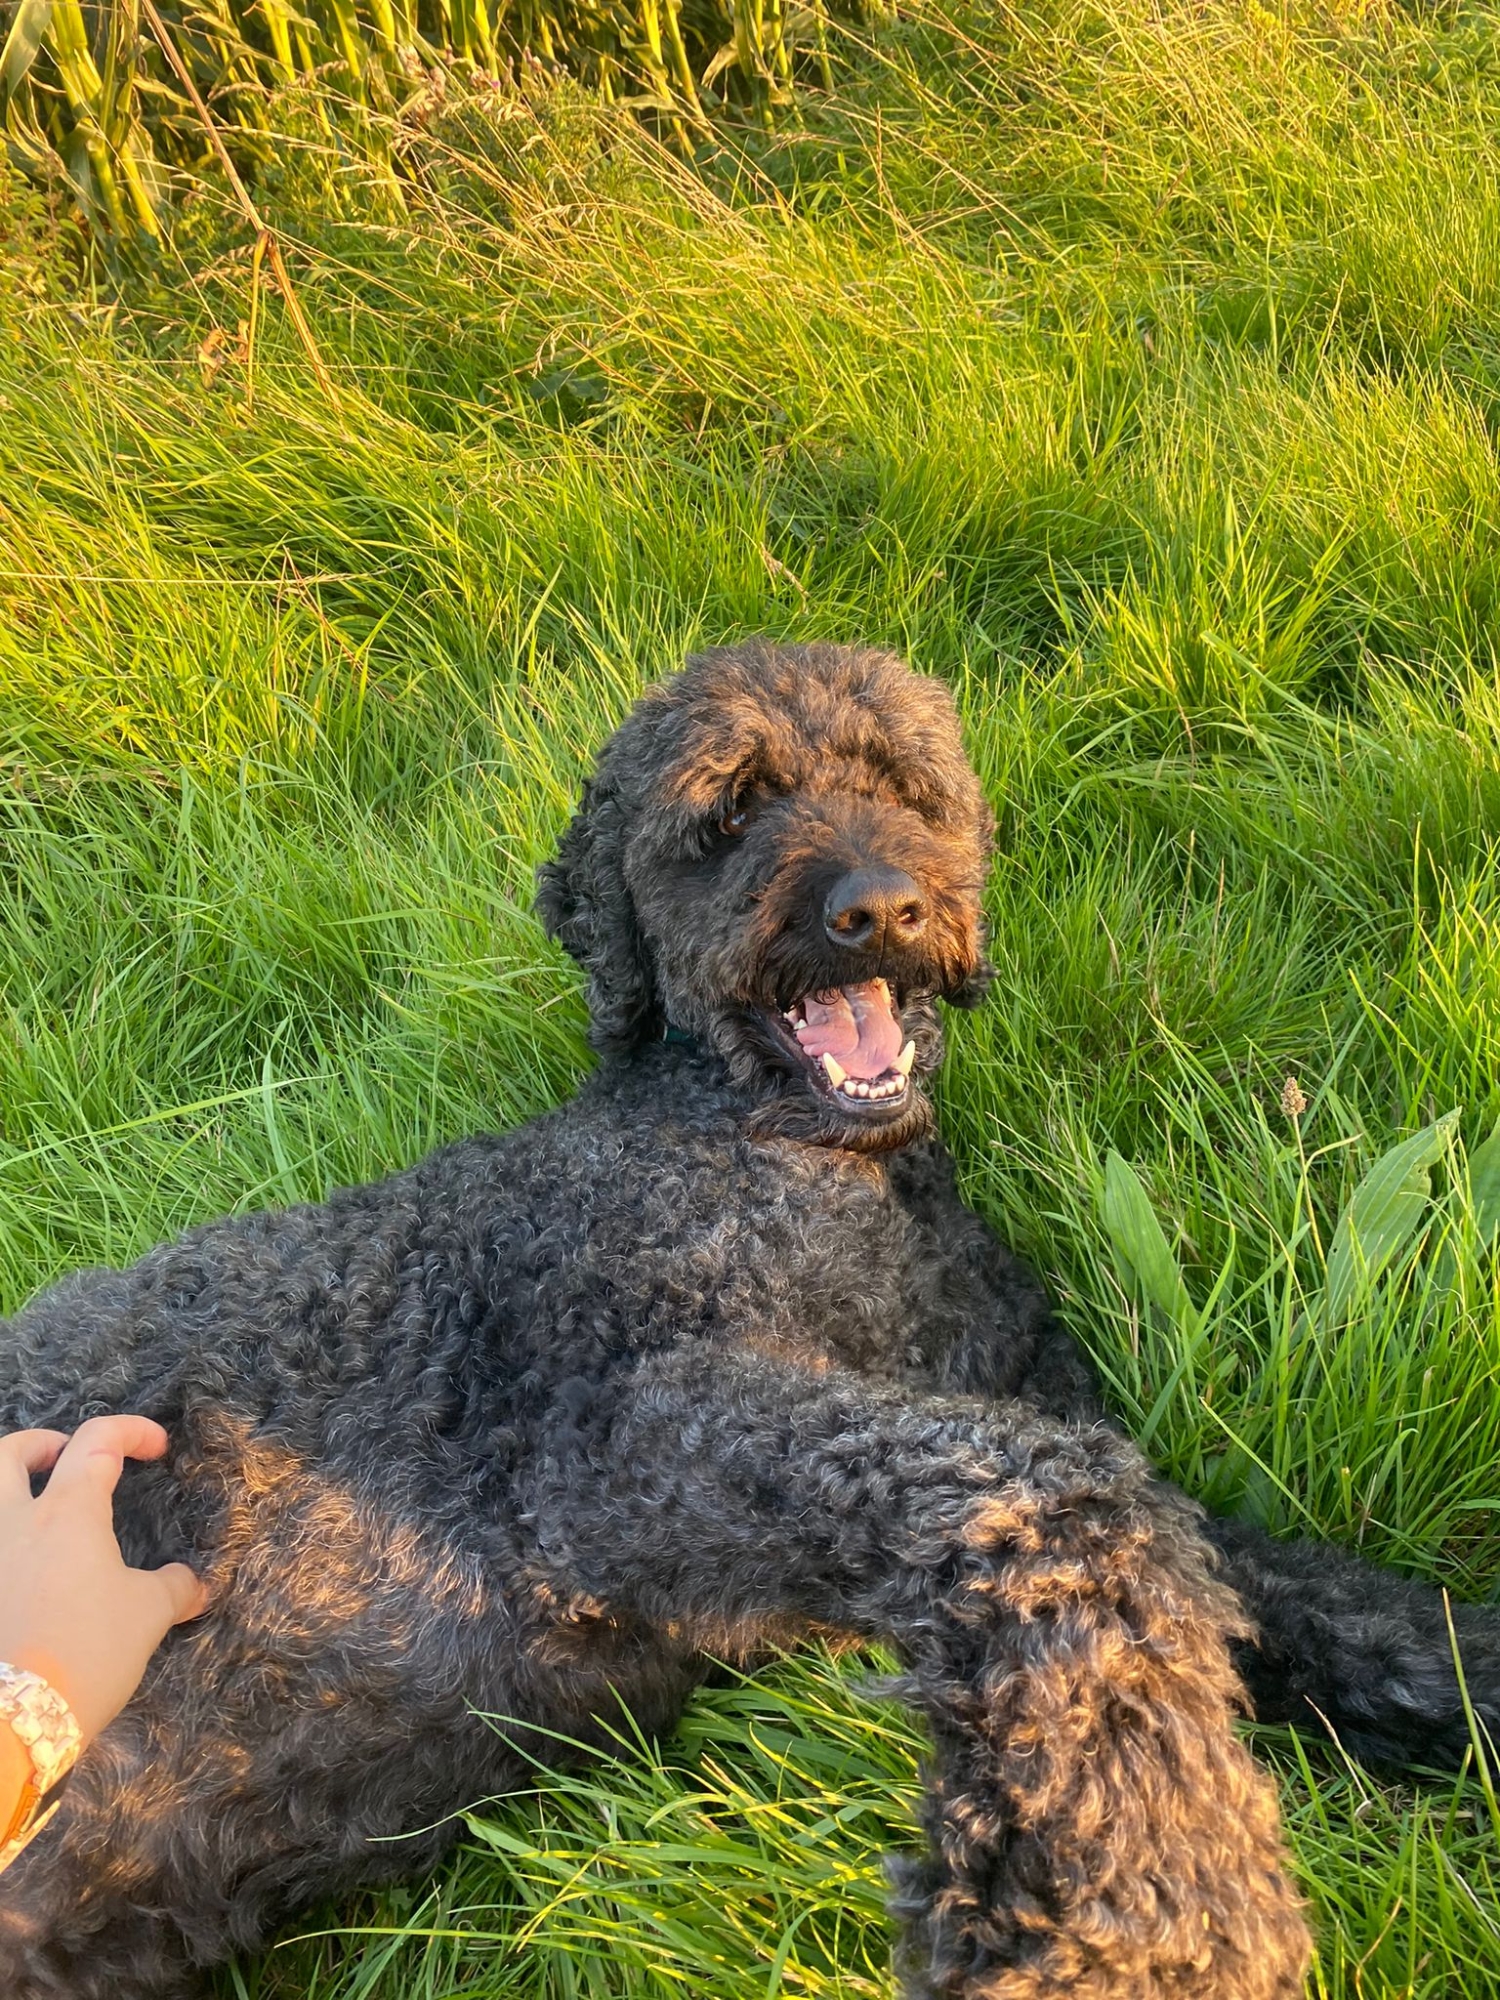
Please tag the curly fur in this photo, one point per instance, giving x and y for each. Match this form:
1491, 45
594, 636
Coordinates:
707, 1358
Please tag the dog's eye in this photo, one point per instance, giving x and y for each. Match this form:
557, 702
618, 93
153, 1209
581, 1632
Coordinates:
735, 820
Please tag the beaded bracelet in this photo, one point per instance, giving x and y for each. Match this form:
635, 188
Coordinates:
47, 1729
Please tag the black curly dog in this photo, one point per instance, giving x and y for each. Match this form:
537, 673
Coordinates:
708, 1358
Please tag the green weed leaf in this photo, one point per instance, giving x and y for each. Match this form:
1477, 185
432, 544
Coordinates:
1484, 1186
1381, 1217
1141, 1249
27, 29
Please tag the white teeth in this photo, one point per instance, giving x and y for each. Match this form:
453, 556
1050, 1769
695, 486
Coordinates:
857, 1088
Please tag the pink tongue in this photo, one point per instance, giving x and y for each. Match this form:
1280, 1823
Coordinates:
856, 1025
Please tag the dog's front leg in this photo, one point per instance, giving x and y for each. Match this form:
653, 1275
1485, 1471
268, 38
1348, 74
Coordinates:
1096, 1827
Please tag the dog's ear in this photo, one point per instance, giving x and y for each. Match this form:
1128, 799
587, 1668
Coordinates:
974, 990
585, 903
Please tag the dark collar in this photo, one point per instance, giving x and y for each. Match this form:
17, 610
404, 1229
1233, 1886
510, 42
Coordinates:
673, 1034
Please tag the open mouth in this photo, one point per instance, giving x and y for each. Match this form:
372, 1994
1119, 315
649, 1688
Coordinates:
851, 1039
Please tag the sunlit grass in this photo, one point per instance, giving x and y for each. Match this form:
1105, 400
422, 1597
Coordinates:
1135, 369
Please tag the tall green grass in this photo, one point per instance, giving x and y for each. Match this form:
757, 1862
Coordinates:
1135, 368
127, 105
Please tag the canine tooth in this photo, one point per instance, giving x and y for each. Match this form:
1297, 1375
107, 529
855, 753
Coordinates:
906, 1058
836, 1074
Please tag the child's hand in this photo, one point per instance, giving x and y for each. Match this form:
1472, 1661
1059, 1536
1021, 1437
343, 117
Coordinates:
70, 1609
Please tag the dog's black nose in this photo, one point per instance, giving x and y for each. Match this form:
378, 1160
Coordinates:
872, 909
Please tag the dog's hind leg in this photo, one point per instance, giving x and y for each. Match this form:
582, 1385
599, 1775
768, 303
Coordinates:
1368, 1653
1096, 1827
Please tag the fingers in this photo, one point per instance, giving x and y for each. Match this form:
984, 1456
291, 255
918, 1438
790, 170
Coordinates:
94, 1456
184, 1595
22, 1455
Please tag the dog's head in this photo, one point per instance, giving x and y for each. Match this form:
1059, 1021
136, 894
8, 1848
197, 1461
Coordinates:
780, 854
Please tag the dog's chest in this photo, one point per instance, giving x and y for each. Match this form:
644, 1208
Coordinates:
778, 1246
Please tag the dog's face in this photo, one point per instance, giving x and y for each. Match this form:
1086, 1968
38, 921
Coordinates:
781, 854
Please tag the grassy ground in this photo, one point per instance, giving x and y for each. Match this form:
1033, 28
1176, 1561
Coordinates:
1135, 366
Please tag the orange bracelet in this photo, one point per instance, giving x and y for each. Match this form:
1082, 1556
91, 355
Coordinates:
47, 1730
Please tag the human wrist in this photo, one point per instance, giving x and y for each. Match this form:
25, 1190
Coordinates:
47, 1666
